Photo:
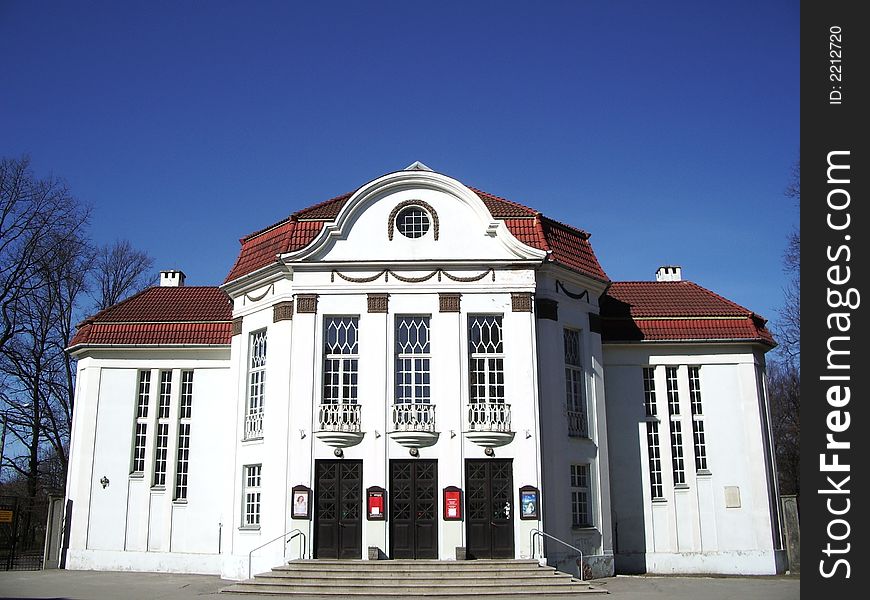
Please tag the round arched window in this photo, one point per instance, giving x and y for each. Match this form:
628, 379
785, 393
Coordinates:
412, 222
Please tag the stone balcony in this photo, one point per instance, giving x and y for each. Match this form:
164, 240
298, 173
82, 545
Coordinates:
489, 424
340, 425
414, 424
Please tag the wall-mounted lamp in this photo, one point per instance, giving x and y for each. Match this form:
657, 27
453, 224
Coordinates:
338, 452
414, 452
528, 434
377, 433
489, 452
104, 481
452, 434
301, 434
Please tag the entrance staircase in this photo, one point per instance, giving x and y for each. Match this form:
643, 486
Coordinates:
369, 579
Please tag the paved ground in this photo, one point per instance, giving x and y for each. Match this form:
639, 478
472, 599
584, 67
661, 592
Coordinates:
94, 585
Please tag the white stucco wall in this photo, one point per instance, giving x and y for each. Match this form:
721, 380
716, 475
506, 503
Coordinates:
129, 523
690, 529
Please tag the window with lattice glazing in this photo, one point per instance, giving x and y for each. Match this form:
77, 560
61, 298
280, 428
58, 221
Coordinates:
251, 496
654, 460
488, 410
677, 457
341, 360
182, 460
412, 222
697, 419
574, 384
339, 410
141, 427
256, 385
161, 447
412, 408
581, 508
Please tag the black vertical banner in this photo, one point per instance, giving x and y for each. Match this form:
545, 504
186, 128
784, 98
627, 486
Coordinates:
835, 170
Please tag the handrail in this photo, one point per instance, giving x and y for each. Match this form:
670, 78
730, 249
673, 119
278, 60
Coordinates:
538, 532
296, 533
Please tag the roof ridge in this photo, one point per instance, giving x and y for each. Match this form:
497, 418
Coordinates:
582, 232
517, 204
344, 196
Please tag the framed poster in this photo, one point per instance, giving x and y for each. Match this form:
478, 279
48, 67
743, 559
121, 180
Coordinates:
529, 502
452, 503
376, 504
301, 502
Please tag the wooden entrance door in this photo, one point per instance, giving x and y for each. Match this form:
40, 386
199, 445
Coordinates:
490, 508
338, 509
413, 509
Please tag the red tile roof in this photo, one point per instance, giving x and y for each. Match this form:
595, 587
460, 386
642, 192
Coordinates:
154, 334
634, 311
161, 316
569, 246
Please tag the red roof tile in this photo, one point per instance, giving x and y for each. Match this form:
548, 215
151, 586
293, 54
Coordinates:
501, 208
160, 316
158, 304
667, 299
635, 311
570, 246
155, 334
326, 210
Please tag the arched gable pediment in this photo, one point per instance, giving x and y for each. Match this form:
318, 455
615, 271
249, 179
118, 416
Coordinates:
459, 225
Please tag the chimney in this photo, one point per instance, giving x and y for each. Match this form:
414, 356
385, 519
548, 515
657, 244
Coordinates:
171, 278
669, 273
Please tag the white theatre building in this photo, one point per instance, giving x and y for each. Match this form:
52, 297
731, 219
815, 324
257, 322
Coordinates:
419, 369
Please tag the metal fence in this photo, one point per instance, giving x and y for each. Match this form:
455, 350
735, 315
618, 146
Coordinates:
22, 534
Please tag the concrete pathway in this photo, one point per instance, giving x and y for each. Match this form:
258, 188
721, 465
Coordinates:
99, 585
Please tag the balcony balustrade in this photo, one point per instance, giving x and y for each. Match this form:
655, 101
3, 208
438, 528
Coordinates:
577, 424
340, 424
414, 424
489, 423
254, 425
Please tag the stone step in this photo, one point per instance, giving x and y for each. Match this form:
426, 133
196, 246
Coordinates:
405, 591
372, 581
431, 579
423, 574
410, 565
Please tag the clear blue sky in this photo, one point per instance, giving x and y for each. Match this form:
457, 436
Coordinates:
666, 129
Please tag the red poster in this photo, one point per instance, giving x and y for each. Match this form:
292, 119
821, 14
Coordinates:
376, 506
452, 505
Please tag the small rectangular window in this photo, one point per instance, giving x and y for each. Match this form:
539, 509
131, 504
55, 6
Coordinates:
251, 496
581, 511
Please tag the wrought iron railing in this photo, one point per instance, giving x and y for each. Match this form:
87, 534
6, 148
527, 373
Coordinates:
489, 416
340, 417
537, 534
577, 424
289, 536
254, 425
414, 417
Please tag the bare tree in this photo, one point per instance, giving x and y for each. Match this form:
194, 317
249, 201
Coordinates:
120, 271
784, 372
789, 327
784, 382
35, 215
47, 269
